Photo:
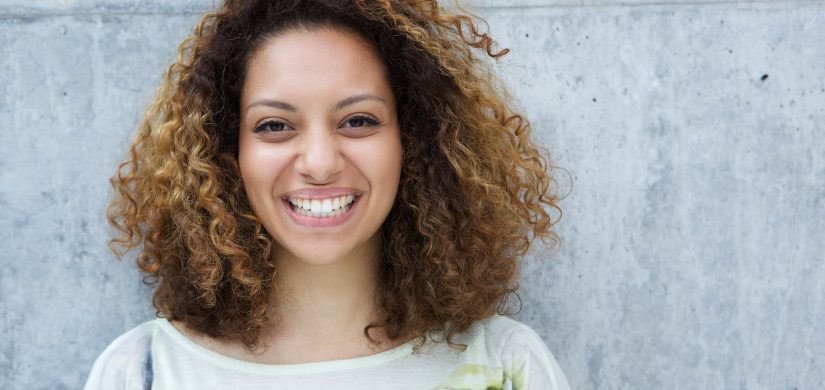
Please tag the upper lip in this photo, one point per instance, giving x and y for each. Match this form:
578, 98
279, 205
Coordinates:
321, 193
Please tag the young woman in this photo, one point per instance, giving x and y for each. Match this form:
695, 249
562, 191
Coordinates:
331, 194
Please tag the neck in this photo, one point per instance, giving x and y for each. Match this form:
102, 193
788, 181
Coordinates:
326, 303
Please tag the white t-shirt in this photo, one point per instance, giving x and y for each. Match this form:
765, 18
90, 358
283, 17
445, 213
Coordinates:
501, 354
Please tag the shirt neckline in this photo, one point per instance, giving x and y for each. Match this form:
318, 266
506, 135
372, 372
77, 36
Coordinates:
184, 341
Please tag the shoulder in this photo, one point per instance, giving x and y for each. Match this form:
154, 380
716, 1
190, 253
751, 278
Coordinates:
511, 334
522, 353
499, 326
126, 363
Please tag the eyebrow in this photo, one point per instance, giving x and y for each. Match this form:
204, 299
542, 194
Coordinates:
341, 104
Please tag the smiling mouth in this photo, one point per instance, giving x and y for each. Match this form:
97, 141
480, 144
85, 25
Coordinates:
322, 208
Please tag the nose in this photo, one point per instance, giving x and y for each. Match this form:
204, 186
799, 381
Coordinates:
319, 160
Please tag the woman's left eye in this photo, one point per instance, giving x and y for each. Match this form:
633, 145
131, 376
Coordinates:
360, 121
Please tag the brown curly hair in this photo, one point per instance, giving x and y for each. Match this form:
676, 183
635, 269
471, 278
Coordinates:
474, 192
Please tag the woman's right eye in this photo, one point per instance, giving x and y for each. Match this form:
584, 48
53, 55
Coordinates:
271, 126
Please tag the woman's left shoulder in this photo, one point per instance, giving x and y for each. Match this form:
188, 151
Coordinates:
522, 353
509, 332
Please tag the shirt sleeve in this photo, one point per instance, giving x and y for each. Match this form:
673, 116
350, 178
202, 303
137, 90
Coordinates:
529, 364
125, 364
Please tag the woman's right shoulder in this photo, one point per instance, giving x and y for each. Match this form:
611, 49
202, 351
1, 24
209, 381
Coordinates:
126, 363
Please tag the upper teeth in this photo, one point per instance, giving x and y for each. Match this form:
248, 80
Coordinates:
327, 205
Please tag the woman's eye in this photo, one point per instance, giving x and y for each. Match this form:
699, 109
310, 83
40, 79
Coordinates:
360, 121
271, 127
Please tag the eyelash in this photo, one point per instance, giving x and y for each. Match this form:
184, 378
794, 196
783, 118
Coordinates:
368, 122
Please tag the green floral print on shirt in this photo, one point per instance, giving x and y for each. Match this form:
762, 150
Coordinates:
481, 377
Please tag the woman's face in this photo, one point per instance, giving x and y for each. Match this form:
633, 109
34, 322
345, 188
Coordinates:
320, 149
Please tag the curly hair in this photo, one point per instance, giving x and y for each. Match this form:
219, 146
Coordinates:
474, 192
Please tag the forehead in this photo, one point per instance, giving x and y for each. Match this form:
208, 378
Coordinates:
323, 60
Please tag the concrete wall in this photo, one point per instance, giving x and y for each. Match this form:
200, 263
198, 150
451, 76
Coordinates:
692, 252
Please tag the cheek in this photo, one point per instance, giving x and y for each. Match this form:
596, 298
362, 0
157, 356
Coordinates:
381, 163
260, 166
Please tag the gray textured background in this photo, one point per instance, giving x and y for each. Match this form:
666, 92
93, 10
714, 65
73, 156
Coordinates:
692, 239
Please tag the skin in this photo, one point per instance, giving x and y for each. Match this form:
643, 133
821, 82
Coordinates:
326, 276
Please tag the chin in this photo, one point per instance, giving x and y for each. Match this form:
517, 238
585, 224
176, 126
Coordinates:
319, 259
317, 254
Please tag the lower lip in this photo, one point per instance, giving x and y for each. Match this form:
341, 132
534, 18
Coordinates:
316, 222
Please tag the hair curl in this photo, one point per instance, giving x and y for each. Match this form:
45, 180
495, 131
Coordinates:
474, 191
